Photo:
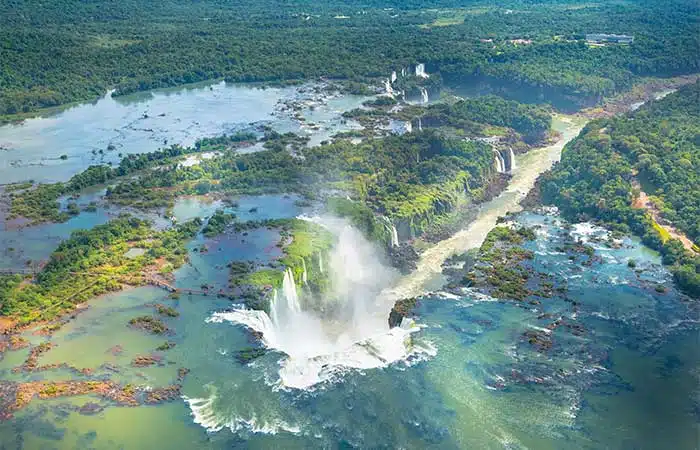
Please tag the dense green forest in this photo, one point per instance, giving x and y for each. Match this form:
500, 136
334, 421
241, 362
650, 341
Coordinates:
655, 149
61, 51
478, 115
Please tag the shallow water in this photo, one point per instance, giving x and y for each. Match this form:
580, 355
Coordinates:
624, 384
484, 388
145, 122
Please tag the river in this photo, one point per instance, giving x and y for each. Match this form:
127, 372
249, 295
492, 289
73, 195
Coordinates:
455, 387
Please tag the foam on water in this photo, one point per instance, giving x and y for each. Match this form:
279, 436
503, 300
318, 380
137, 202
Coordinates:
349, 330
205, 415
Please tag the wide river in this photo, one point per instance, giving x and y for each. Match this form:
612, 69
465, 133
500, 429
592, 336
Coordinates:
468, 381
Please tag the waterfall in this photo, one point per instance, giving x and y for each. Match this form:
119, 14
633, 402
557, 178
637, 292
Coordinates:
420, 124
499, 162
348, 328
304, 275
387, 87
403, 73
420, 71
424, 95
408, 126
511, 156
289, 289
320, 263
393, 233
394, 77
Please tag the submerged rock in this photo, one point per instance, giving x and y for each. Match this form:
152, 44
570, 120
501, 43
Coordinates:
90, 409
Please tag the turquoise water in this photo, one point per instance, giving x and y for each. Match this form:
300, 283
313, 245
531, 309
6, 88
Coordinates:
629, 381
624, 383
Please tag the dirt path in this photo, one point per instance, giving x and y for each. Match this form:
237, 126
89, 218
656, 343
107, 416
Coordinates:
643, 201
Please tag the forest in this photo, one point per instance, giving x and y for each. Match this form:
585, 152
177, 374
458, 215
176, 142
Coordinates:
64, 51
655, 149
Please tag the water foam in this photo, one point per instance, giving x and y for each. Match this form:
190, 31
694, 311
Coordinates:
346, 329
204, 414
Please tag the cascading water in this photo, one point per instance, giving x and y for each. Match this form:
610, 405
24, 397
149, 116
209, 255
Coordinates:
512, 160
499, 162
304, 275
388, 89
348, 329
420, 124
393, 233
394, 77
424, 95
320, 263
420, 71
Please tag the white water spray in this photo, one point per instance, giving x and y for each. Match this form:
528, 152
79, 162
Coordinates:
499, 162
348, 327
424, 95
511, 156
420, 71
394, 77
387, 88
393, 233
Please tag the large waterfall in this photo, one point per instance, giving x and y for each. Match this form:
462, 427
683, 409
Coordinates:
394, 77
420, 71
349, 327
511, 157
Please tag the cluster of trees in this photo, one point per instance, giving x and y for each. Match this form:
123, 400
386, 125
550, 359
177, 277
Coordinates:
41, 204
217, 223
92, 262
659, 145
69, 50
531, 121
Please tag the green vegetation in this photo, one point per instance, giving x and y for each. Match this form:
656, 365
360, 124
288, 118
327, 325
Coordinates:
149, 324
166, 310
218, 223
41, 204
92, 262
657, 145
63, 51
165, 346
499, 269
472, 115
410, 178
302, 243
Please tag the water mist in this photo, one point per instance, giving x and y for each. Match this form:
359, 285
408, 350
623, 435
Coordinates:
346, 328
